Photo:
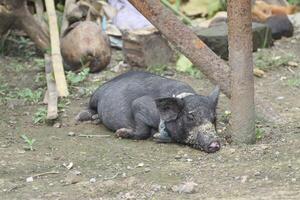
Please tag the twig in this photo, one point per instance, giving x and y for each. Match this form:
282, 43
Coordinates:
44, 174
89, 136
292, 71
114, 176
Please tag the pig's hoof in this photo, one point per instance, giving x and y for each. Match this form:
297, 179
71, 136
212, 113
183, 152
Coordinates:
124, 133
85, 115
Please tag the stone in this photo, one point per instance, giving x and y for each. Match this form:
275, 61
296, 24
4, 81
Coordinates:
72, 134
187, 187
216, 38
146, 48
295, 19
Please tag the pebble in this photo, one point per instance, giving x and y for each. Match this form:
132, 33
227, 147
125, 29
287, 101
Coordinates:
244, 179
29, 179
156, 187
140, 165
232, 150
147, 169
129, 195
258, 173
187, 187
72, 134
292, 64
280, 98
92, 180
57, 125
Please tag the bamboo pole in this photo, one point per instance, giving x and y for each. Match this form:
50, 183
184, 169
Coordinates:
55, 50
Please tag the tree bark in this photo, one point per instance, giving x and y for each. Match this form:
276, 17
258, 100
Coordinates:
186, 42
242, 79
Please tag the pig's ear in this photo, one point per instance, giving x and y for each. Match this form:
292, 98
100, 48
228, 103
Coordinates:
214, 96
169, 107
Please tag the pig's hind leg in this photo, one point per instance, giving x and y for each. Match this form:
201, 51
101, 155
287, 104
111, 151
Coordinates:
146, 117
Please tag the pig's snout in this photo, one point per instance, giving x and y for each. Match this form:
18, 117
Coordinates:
204, 137
213, 147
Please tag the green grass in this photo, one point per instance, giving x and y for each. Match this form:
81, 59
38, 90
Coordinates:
40, 116
76, 78
294, 82
16, 66
63, 104
259, 133
28, 141
26, 94
159, 69
267, 62
30, 96
294, 1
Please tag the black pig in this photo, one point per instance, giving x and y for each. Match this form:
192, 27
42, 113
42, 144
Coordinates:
135, 104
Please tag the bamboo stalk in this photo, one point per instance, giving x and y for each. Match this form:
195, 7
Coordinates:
55, 50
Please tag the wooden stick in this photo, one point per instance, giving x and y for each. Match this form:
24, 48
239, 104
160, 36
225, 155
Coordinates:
55, 50
89, 136
51, 93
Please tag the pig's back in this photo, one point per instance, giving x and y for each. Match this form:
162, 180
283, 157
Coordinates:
113, 99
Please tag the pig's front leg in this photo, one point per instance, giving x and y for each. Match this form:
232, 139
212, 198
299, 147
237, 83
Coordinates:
146, 117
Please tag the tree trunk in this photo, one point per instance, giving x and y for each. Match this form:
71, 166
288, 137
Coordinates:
241, 62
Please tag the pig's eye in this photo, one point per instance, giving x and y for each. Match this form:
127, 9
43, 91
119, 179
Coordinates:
190, 117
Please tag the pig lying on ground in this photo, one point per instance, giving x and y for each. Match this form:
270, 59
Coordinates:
138, 104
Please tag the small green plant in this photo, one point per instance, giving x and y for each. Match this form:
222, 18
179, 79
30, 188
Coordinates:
226, 116
186, 66
40, 78
28, 141
4, 89
40, 116
159, 69
75, 79
294, 1
30, 96
259, 133
16, 66
294, 82
39, 62
63, 104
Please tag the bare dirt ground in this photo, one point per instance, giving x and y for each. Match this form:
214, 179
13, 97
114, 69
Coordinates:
110, 168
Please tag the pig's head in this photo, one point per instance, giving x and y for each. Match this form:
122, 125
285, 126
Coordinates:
191, 120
